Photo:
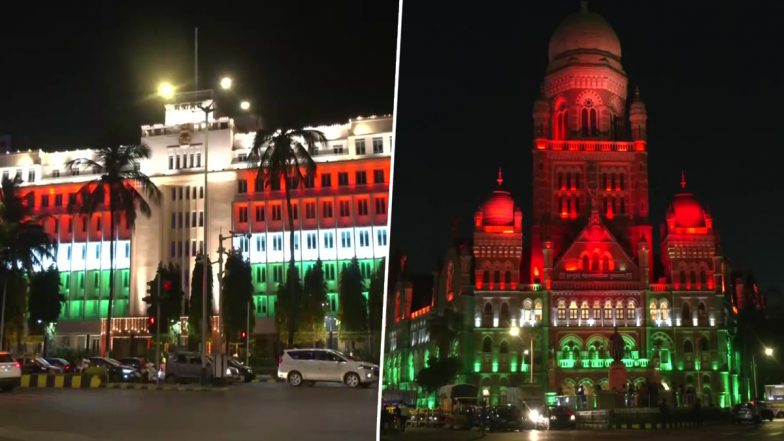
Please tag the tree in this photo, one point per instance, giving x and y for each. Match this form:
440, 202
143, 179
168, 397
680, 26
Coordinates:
170, 297
237, 294
284, 307
353, 306
194, 310
284, 155
125, 188
24, 245
314, 301
439, 372
44, 302
376, 306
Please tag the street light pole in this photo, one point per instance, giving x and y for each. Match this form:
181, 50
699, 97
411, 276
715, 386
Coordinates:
205, 252
158, 327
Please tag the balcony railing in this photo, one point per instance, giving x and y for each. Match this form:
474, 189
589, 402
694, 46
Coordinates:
589, 145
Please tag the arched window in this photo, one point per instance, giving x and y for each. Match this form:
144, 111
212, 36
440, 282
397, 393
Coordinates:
487, 345
527, 310
585, 311
561, 309
654, 310
538, 310
664, 308
505, 317
686, 313
573, 310
693, 279
683, 278
703, 278
487, 316
703, 344
597, 310
595, 263
631, 310
606, 264
588, 119
508, 278
608, 310
486, 277
503, 348
619, 310
560, 123
586, 263
687, 347
497, 278
701, 310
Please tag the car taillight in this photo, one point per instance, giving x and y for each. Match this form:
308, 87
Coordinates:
18, 366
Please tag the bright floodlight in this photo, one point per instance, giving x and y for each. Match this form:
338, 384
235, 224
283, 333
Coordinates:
245, 105
165, 90
225, 83
769, 352
514, 331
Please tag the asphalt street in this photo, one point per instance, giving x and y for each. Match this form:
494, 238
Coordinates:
243, 412
713, 432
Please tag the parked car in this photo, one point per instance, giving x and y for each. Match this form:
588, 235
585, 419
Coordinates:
117, 371
765, 411
503, 418
746, 412
32, 364
61, 363
306, 366
184, 367
561, 416
10, 372
245, 371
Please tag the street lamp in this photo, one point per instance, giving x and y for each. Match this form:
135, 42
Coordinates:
166, 90
768, 351
225, 83
244, 104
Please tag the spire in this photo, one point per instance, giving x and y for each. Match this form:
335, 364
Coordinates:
636, 92
500, 179
584, 6
683, 180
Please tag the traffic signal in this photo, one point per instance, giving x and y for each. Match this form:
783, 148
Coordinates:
243, 335
150, 299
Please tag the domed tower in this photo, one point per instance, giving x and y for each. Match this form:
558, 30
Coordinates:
498, 241
689, 248
585, 155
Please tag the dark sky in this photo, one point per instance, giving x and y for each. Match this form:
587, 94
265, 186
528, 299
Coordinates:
711, 76
84, 73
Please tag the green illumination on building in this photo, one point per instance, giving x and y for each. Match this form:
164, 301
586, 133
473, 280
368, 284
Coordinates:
512, 366
495, 365
477, 366
549, 398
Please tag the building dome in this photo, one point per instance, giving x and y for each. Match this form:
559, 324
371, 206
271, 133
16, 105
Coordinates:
688, 213
584, 30
499, 208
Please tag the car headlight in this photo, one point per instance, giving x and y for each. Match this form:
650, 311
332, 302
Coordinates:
228, 372
127, 371
534, 415
553, 417
572, 418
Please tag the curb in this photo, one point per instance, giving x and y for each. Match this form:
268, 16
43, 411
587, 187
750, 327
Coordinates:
653, 426
268, 380
174, 387
61, 381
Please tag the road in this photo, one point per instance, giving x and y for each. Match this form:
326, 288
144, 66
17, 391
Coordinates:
713, 432
244, 412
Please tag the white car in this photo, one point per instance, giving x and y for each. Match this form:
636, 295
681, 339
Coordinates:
298, 366
10, 372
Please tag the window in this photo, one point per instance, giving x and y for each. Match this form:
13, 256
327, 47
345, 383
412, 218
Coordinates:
190, 160
597, 310
361, 177
337, 149
608, 310
378, 145
242, 186
588, 119
179, 193
327, 210
193, 247
561, 123
201, 218
55, 173
171, 162
259, 213
58, 200
359, 145
584, 310
345, 239
193, 219
329, 241
631, 310
177, 162
173, 249
44, 201
277, 242
378, 176
294, 211
345, 209
98, 223
362, 207
296, 241
573, 310
381, 205
381, 236
258, 184
243, 214
364, 239
654, 310
198, 159
201, 192
261, 244
312, 241
277, 212
261, 274
310, 210
619, 310
277, 274
561, 310
342, 179
326, 180
84, 225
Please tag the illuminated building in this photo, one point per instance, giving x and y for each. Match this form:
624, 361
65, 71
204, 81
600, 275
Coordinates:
587, 267
341, 214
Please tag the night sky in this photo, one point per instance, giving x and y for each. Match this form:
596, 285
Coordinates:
84, 73
711, 76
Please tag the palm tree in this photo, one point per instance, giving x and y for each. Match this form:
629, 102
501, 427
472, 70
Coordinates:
125, 188
24, 243
285, 155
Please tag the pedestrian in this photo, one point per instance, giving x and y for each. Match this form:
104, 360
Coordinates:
698, 412
404, 414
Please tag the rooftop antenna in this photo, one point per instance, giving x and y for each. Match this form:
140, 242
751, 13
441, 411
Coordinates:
683, 180
500, 179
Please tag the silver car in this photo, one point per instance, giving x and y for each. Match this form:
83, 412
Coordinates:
307, 366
